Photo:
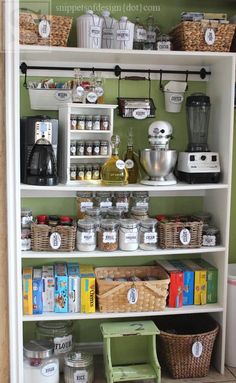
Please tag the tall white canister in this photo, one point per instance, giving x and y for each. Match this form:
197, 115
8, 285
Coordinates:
108, 30
124, 35
89, 30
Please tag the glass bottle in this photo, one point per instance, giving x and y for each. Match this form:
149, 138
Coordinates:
114, 171
78, 90
131, 163
140, 35
152, 32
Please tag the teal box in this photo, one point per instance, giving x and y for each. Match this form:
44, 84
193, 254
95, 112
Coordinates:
61, 288
188, 293
212, 280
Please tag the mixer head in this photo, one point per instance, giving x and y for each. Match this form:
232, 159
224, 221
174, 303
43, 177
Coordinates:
159, 134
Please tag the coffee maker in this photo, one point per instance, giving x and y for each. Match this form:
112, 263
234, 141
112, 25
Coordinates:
198, 164
33, 128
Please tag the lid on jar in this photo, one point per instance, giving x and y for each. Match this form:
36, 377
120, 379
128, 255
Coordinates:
211, 230
88, 117
96, 117
78, 359
164, 37
87, 223
122, 194
148, 223
198, 99
27, 212
104, 143
54, 325
140, 194
38, 349
129, 223
203, 216
139, 210
93, 211
96, 143
115, 211
103, 194
105, 117
80, 142
109, 224
84, 194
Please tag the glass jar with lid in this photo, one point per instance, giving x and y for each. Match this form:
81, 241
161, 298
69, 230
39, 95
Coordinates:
128, 234
164, 43
140, 199
104, 148
108, 235
88, 150
73, 148
86, 234
210, 236
88, 172
80, 147
148, 238
26, 218
80, 172
93, 212
105, 122
84, 200
122, 200
115, 213
96, 172
96, 122
89, 122
80, 122
73, 171
59, 333
104, 201
73, 122
78, 367
40, 364
138, 212
96, 148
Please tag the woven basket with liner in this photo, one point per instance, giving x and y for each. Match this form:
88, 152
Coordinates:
190, 36
185, 344
42, 239
150, 291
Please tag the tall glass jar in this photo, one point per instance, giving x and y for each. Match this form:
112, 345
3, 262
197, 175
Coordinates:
104, 201
148, 234
59, 333
108, 235
128, 235
122, 200
84, 200
115, 213
140, 199
86, 234
78, 367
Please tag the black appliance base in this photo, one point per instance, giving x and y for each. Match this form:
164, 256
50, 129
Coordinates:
198, 178
50, 181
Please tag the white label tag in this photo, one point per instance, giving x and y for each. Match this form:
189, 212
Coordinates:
208, 240
85, 205
96, 149
140, 114
106, 204
44, 29
95, 32
55, 241
185, 236
140, 34
150, 237
80, 376
108, 34
176, 98
25, 244
123, 35
132, 296
129, 164
142, 204
92, 97
210, 36
80, 91
50, 369
62, 95
197, 349
151, 37
131, 237
62, 344
163, 46
99, 91
88, 238
120, 164
26, 220
109, 237
122, 205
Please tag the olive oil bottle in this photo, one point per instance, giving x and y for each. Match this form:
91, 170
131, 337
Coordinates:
131, 162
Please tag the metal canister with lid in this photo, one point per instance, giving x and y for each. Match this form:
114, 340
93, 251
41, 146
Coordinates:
78, 367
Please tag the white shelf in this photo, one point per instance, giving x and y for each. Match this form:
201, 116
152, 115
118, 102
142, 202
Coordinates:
90, 131
210, 308
88, 157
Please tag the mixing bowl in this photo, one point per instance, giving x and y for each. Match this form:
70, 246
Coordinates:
158, 163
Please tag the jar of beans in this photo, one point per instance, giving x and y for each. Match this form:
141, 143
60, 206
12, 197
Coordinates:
108, 235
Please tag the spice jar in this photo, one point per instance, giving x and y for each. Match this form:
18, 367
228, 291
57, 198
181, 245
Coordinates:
108, 235
40, 364
148, 234
73, 148
104, 148
96, 123
96, 148
84, 200
88, 150
122, 200
139, 213
128, 235
140, 199
59, 333
80, 173
80, 148
88, 122
96, 172
81, 123
88, 173
53, 220
86, 234
73, 170
73, 122
78, 367
210, 236
105, 122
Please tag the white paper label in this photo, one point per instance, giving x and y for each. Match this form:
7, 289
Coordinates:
80, 376
197, 349
81, 150
132, 296
62, 95
142, 204
131, 237
129, 164
95, 32
150, 237
120, 164
208, 240
96, 149
151, 37
176, 98
210, 36
185, 236
26, 220
25, 244
123, 35
80, 91
50, 369
44, 29
122, 205
85, 205
62, 344
92, 97
99, 91
163, 46
105, 204
55, 241
109, 237
140, 34
88, 238
108, 34
140, 114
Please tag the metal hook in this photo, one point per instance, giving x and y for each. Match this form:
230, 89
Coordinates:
186, 79
23, 68
161, 86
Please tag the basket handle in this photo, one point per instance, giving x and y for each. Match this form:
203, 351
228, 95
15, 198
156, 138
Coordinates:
157, 291
112, 291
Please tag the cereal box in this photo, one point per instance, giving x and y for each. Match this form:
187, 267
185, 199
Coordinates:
175, 298
87, 289
27, 290
200, 282
61, 288
48, 288
188, 292
74, 287
37, 291
212, 280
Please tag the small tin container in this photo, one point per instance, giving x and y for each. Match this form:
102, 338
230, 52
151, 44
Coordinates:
96, 148
88, 122
78, 367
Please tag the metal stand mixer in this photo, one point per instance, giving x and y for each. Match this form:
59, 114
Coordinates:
159, 161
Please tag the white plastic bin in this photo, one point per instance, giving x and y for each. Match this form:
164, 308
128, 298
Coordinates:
230, 354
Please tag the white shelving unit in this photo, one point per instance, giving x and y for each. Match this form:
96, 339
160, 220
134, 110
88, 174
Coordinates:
216, 197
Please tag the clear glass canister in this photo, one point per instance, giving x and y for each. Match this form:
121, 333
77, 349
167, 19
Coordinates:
78, 367
104, 201
122, 200
148, 238
59, 333
26, 218
84, 200
115, 212
40, 364
139, 213
210, 236
108, 235
86, 234
140, 199
128, 234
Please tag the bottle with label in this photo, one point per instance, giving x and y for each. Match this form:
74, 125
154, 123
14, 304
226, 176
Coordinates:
89, 30
131, 163
152, 32
78, 90
140, 34
114, 171
124, 34
108, 30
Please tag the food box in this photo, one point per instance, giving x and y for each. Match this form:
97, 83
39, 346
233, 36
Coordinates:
37, 291
188, 290
212, 280
74, 287
176, 287
27, 290
87, 289
200, 282
61, 288
48, 288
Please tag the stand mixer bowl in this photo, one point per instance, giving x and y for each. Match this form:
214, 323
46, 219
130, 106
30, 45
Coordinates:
158, 164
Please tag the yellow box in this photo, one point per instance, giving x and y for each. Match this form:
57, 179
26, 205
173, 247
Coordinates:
88, 304
27, 290
200, 282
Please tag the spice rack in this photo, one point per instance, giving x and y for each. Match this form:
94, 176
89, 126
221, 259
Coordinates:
75, 138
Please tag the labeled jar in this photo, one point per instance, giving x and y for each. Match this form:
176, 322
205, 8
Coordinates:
88, 173
96, 148
164, 43
80, 147
86, 234
78, 367
42, 219
84, 200
148, 238
140, 199
108, 235
96, 172
104, 201
128, 234
96, 123
115, 213
80, 122
138, 212
104, 148
88, 150
26, 218
93, 212
105, 122
53, 220
40, 364
73, 148
210, 236
25, 239
73, 122
89, 122
73, 170
60, 334
80, 173
122, 200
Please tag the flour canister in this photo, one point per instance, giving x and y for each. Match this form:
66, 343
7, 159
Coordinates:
89, 30
108, 30
124, 34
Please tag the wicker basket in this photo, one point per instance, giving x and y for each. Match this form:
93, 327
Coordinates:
150, 294
41, 237
180, 234
190, 36
179, 350
60, 27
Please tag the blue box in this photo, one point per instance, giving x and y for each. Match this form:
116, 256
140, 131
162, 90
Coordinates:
61, 288
37, 291
74, 287
188, 293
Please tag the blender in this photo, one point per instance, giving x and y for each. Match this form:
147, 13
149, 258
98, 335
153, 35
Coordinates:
198, 164
159, 161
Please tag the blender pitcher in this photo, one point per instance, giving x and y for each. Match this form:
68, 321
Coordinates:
198, 114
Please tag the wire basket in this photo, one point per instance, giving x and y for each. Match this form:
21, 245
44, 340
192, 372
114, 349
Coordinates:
48, 238
118, 293
192, 36
185, 344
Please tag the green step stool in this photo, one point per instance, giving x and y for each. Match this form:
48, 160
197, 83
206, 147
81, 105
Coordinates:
129, 350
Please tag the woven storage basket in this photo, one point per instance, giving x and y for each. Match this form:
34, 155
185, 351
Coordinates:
190, 36
113, 295
170, 234
40, 237
176, 350
60, 27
